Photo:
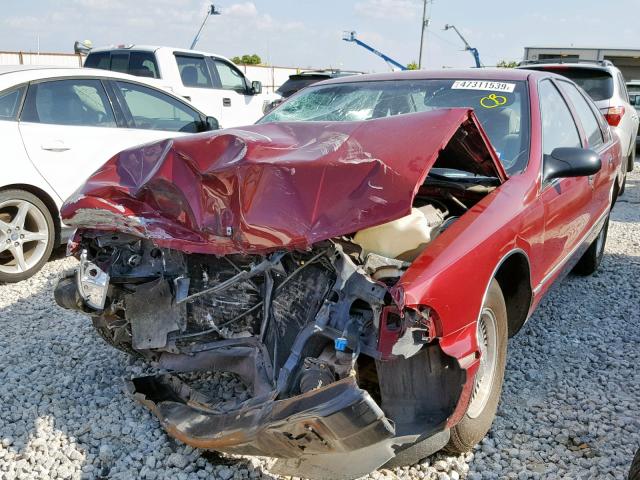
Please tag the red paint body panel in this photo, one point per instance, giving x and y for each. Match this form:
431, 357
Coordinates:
272, 186
296, 184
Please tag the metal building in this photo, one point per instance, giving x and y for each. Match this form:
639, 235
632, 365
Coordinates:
626, 59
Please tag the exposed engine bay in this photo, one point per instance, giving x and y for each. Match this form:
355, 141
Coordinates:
295, 326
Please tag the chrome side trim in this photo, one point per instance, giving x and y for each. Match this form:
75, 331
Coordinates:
568, 256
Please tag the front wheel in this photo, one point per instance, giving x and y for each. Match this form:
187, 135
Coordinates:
492, 334
27, 235
591, 259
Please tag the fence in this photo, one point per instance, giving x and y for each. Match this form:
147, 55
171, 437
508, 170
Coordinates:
30, 58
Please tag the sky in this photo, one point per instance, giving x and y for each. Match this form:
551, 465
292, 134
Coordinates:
308, 33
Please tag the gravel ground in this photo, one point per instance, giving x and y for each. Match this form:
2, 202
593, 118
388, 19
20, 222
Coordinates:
569, 407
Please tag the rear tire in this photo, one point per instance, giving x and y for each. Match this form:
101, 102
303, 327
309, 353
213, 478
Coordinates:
492, 334
27, 235
591, 259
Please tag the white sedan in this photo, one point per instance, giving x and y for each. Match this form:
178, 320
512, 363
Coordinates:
59, 125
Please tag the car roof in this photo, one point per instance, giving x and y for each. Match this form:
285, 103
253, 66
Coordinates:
496, 74
21, 68
152, 48
567, 65
26, 73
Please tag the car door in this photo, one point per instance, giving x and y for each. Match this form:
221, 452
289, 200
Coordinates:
240, 105
69, 129
598, 140
566, 201
199, 87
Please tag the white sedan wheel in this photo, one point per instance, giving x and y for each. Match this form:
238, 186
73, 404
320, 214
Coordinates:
24, 236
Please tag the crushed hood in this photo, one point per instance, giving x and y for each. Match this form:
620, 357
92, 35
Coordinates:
278, 185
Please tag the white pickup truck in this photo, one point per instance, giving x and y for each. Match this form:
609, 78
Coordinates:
212, 83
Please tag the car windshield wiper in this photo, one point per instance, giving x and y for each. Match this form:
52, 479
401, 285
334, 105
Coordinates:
467, 178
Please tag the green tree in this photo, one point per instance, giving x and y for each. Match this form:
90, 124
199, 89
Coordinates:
507, 64
412, 66
247, 60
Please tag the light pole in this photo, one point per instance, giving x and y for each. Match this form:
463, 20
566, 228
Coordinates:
425, 24
211, 11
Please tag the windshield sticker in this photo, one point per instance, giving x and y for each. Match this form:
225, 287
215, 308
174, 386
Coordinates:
483, 85
492, 101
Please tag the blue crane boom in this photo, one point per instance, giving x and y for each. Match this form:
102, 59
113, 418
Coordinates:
351, 37
474, 51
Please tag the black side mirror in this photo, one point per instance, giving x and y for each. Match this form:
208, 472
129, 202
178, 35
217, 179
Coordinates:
256, 87
571, 162
211, 123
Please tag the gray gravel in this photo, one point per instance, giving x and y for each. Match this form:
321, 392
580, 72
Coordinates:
569, 407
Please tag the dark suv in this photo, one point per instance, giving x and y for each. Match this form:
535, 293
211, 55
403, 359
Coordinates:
304, 79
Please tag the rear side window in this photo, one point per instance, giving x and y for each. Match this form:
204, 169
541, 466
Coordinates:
623, 88
140, 64
558, 127
154, 110
10, 102
597, 83
193, 71
120, 62
100, 60
585, 114
143, 64
79, 102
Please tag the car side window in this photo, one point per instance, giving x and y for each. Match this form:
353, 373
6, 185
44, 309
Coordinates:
80, 102
589, 122
100, 60
155, 110
119, 62
623, 88
143, 64
558, 127
10, 103
193, 71
230, 77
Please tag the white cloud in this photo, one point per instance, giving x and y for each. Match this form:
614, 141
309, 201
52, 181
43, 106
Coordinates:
246, 9
389, 9
248, 13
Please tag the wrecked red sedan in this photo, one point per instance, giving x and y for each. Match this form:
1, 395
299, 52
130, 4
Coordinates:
358, 258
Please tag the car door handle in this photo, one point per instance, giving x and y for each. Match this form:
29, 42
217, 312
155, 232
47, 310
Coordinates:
55, 146
226, 102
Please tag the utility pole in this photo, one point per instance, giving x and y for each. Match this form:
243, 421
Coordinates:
425, 25
211, 11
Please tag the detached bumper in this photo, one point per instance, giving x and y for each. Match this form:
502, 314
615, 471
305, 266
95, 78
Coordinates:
337, 418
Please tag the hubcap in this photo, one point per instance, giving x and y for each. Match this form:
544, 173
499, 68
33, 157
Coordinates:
24, 234
487, 335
